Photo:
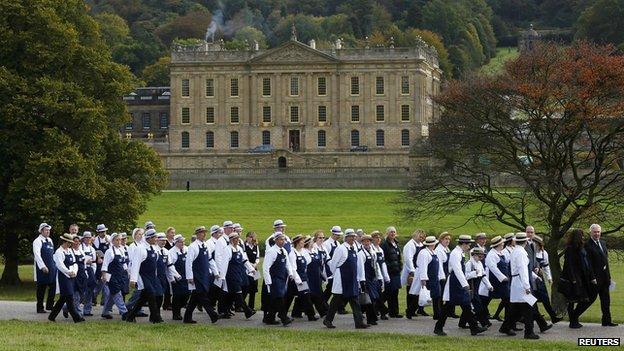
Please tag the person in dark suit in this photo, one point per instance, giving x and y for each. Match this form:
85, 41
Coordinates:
392, 254
599, 261
577, 278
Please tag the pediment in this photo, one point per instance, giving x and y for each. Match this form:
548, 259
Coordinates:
293, 52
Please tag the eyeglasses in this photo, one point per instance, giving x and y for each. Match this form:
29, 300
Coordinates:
321, 237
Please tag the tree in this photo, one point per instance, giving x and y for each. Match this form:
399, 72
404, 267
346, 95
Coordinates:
63, 159
190, 25
550, 129
157, 74
603, 22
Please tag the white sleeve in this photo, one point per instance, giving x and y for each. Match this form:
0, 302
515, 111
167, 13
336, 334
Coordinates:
471, 271
486, 279
441, 275
173, 258
212, 263
523, 274
108, 258
269, 258
423, 262
408, 257
266, 242
137, 259
361, 258
546, 267
222, 258
492, 264
59, 260
37, 254
292, 258
455, 267
338, 259
190, 257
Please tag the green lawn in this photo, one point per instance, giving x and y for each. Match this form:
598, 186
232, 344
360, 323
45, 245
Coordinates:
304, 212
497, 63
118, 335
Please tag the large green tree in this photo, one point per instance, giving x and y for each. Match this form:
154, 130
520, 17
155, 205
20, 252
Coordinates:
603, 22
62, 159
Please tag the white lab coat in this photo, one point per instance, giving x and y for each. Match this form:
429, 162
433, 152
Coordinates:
292, 257
139, 254
409, 250
474, 269
362, 260
174, 254
328, 244
519, 274
269, 258
109, 256
545, 265
422, 261
191, 255
454, 266
223, 258
59, 260
384, 267
340, 256
37, 243
89, 251
170, 272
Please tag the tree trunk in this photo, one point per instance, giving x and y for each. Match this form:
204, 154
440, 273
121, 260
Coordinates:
558, 301
10, 276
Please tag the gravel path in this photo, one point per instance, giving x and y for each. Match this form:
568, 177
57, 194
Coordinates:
418, 326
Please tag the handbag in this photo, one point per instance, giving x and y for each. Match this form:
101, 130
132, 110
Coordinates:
424, 297
364, 299
565, 288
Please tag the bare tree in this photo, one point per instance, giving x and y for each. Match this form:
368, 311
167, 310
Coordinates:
541, 144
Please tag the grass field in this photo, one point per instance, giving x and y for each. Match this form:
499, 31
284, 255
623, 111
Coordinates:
118, 335
304, 212
497, 63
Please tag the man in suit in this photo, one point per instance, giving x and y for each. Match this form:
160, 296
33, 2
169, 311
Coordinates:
599, 261
530, 249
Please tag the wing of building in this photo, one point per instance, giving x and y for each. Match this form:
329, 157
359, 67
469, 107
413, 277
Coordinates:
292, 116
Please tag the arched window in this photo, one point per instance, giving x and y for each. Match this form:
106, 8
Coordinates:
355, 138
405, 137
185, 140
209, 139
380, 138
234, 139
321, 139
266, 137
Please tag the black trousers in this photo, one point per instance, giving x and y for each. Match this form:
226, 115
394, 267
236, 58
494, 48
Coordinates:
371, 312
339, 301
238, 302
166, 305
327, 292
41, 292
436, 304
276, 306
576, 309
249, 293
392, 298
380, 305
69, 301
466, 315
605, 301
150, 299
177, 302
203, 299
320, 305
516, 311
412, 304
303, 298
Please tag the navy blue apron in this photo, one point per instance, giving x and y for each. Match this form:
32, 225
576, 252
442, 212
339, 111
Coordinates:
180, 287
147, 271
236, 273
433, 284
279, 275
47, 255
313, 273
380, 261
91, 282
287, 246
98, 268
331, 254
372, 283
415, 257
161, 269
201, 270
445, 264
125, 289
117, 272
81, 276
348, 275
66, 284
500, 289
457, 294
302, 271
540, 292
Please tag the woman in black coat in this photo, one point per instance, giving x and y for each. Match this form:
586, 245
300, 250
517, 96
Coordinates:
577, 278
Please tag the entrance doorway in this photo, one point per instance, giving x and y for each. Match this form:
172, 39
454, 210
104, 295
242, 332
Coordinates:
281, 162
294, 140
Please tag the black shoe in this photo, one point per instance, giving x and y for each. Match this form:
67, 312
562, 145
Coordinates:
107, 316
343, 312
453, 316
48, 308
383, 317
273, 322
287, 321
372, 323
396, 316
249, 314
214, 317
200, 309
88, 315
477, 330
329, 324
507, 332
532, 337
312, 318
142, 314
548, 326
610, 324
189, 321
224, 316
156, 321
65, 314
556, 320
439, 332
123, 316
41, 310
362, 326
576, 325
51, 319
422, 313
79, 320
516, 329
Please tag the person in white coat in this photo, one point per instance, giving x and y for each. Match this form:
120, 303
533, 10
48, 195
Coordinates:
299, 286
508, 243
67, 269
233, 266
457, 289
330, 246
349, 281
478, 280
276, 271
45, 269
201, 270
521, 299
543, 272
221, 246
429, 274
498, 273
101, 243
371, 271
179, 287
410, 255
114, 270
381, 261
137, 236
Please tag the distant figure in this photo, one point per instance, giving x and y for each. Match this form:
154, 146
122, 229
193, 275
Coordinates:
188, 185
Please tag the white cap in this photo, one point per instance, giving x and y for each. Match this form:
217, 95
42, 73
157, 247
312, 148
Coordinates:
87, 234
237, 226
336, 230
278, 223
43, 226
161, 236
359, 232
149, 233
101, 228
349, 231
113, 236
149, 225
227, 224
215, 228
135, 231
178, 237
